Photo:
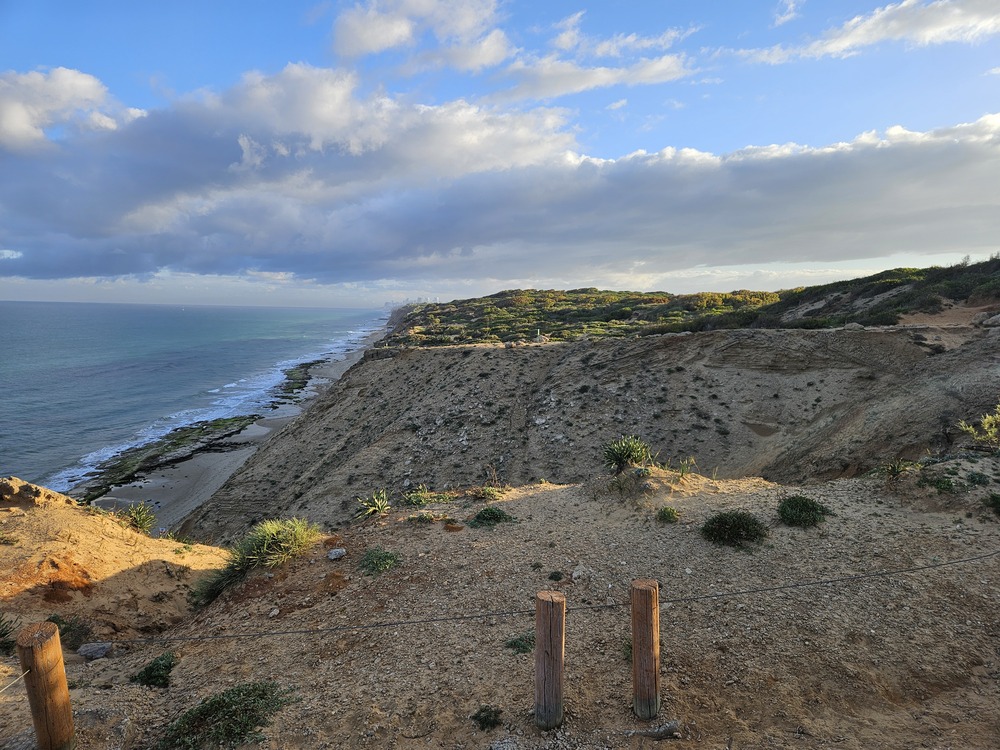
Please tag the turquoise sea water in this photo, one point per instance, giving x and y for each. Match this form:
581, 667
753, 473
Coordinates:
80, 382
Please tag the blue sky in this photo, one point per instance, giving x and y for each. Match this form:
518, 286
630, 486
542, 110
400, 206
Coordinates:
360, 152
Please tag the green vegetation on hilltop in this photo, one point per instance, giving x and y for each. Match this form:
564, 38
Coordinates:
523, 314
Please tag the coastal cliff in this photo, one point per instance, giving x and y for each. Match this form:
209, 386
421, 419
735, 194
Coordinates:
788, 405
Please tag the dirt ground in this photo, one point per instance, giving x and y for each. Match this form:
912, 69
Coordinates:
761, 648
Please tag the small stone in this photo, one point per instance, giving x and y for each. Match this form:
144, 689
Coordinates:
274, 612
91, 651
336, 553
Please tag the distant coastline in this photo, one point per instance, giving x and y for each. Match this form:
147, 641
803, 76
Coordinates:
177, 474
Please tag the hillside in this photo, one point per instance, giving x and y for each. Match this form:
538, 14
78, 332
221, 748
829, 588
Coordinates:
788, 405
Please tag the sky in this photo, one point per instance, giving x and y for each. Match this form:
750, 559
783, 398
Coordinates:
375, 151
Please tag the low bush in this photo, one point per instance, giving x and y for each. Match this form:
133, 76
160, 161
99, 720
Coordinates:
993, 502
486, 493
522, 644
987, 432
801, 511
157, 672
625, 452
229, 719
377, 560
490, 516
734, 528
487, 717
267, 545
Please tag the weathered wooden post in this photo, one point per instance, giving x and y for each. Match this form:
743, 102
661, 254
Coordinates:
550, 650
645, 648
40, 654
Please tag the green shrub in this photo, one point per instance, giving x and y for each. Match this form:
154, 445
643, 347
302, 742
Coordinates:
8, 635
977, 479
734, 528
993, 502
376, 505
667, 514
490, 516
625, 452
267, 545
230, 719
522, 644
377, 560
157, 672
556, 575
487, 717
139, 517
801, 511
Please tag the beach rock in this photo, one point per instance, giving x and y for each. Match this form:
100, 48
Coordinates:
979, 318
993, 322
336, 553
91, 651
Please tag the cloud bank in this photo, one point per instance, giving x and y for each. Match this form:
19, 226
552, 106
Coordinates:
297, 174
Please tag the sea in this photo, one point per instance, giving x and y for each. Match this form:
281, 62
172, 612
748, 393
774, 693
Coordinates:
81, 382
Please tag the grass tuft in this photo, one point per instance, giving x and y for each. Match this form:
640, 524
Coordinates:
377, 560
229, 719
625, 452
667, 514
489, 517
267, 545
802, 511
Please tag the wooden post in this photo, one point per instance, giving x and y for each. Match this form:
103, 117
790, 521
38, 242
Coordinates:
40, 654
645, 648
550, 650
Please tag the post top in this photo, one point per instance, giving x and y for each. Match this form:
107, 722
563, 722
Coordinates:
646, 583
551, 596
34, 635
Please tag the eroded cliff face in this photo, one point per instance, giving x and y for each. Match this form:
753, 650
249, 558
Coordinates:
791, 406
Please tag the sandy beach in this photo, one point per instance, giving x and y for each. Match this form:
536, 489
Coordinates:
177, 490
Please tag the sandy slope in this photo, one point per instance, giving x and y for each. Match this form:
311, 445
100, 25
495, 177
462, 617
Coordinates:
791, 406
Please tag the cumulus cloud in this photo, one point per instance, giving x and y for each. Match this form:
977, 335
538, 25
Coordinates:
31, 103
297, 175
917, 22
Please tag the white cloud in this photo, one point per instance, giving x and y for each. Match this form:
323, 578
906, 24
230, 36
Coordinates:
10, 254
618, 104
362, 31
551, 76
993, 72
918, 22
571, 39
486, 52
32, 102
788, 10
378, 26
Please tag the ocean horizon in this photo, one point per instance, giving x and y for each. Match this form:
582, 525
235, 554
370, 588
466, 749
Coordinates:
83, 381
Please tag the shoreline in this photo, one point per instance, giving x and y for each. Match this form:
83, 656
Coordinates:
177, 489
